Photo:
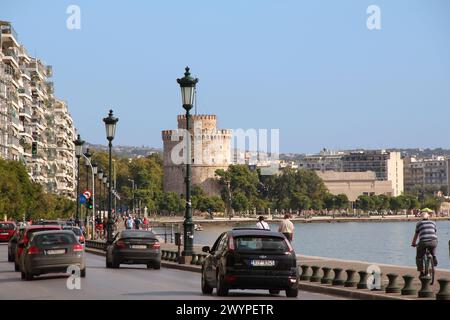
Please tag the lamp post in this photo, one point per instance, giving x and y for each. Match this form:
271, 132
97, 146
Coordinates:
78, 151
187, 85
110, 125
132, 191
87, 164
94, 196
105, 180
100, 179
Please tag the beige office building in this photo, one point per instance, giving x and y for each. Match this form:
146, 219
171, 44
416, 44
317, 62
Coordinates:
354, 184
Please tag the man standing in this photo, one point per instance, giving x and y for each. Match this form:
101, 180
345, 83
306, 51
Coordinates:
426, 231
261, 224
287, 227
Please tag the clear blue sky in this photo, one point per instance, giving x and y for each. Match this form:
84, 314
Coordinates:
310, 68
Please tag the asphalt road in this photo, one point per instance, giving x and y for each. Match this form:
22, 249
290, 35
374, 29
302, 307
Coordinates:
129, 282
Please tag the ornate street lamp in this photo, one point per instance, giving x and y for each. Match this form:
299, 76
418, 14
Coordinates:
187, 85
78, 152
110, 125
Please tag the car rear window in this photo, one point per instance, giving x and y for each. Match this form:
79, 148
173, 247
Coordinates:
31, 231
263, 243
6, 226
54, 239
138, 234
75, 230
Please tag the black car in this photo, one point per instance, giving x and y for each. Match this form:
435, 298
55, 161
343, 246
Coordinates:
250, 259
134, 247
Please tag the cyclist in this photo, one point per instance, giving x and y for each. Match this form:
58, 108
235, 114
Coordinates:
426, 232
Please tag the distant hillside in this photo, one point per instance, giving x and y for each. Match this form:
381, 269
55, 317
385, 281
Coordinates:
126, 151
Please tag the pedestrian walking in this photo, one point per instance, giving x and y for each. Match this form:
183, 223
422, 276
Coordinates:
287, 227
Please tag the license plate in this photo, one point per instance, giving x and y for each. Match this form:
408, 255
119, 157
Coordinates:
262, 263
136, 246
60, 251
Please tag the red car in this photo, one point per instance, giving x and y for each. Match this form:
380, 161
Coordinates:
25, 238
7, 229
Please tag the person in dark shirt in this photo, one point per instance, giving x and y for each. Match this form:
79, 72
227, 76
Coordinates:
426, 232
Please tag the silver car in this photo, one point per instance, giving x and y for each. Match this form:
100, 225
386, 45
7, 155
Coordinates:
52, 252
78, 233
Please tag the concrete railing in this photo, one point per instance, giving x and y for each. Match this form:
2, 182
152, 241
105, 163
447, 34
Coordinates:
348, 280
95, 244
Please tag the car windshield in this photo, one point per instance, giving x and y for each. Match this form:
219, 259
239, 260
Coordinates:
6, 226
54, 239
260, 243
138, 234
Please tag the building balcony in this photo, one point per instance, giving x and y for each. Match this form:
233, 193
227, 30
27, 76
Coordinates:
26, 112
7, 31
12, 56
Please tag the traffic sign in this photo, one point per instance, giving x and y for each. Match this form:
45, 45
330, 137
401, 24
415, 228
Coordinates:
82, 199
87, 194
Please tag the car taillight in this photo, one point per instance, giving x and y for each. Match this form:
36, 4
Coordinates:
156, 245
33, 250
120, 244
77, 247
82, 239
230, 244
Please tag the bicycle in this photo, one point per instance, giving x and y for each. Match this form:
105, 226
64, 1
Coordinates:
428, 262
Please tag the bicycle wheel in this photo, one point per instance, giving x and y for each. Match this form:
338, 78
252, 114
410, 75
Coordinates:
426, 264
431, 270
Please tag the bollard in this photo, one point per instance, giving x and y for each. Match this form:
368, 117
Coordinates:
305, 276
362, 284
425, 290
194, 258
351, 282
338, 281
173, 256
408, 288
315, 274
392, 286
326, 279
443, 293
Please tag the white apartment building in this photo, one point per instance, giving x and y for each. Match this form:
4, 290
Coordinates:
420, 172
30, 113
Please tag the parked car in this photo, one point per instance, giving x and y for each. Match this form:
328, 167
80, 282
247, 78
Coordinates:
134, 247
78, 233
25, 238
7, 229
51, 252
247, 258
12, 244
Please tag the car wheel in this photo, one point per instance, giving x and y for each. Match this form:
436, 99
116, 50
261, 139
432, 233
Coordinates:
115, 264
274, 291
157, 265
292, 292
222, 290
28, 276
206, 288
83, 273
16, 266
108, 264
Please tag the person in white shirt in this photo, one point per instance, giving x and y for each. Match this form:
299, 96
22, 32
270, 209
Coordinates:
261, 224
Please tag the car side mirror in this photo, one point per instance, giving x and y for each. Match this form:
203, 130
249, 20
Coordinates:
206, 249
